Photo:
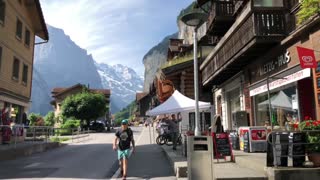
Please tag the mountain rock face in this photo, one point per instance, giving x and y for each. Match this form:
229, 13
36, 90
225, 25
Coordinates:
157, 55
186, 32
40, 95
154, 59
123, 81
62, 63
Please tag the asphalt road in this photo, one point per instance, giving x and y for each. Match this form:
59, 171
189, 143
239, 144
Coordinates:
93, 159
149, 162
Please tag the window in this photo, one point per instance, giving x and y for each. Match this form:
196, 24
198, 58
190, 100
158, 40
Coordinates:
27, 37
284, 106
0, 57
2, 11
19, 29
15, 71
25, 74
268, 3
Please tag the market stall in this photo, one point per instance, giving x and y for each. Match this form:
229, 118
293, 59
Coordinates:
177, 103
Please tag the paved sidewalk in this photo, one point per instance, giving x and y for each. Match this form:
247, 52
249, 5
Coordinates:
149, 161
223, 170
9, 152
26, 148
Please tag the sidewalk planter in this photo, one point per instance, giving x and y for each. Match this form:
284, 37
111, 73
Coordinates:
315, 159
313, 137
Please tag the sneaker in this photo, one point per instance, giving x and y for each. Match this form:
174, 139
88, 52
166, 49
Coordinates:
121, 172
124, 177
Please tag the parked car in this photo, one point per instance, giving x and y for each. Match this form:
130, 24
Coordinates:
98, 126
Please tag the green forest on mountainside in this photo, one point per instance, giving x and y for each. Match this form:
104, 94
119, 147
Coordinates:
126, 113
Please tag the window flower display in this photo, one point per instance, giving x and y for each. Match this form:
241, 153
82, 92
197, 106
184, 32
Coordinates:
312, 128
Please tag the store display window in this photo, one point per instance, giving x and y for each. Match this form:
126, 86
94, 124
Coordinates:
284, 107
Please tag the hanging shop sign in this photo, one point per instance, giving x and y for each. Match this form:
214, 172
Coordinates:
281, 82
277, 63
307, 58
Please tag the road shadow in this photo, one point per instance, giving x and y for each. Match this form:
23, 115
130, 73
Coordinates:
81, 161
149, 161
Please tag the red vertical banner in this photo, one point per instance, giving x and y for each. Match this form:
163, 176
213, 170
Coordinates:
307, 58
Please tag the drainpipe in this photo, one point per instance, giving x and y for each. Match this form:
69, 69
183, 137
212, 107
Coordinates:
46, 41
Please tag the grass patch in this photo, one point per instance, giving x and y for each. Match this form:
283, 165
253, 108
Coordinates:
185, 58
59, 139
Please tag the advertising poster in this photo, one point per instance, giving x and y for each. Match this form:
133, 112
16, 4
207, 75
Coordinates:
258, 134
241, 140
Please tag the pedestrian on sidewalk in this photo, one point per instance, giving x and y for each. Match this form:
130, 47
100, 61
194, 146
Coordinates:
124, 136
174, 129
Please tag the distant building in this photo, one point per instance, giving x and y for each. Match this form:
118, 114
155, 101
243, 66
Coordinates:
59, 94
20, 22
143, 104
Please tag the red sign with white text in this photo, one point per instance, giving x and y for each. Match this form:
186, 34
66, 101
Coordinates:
258, 134
307, 58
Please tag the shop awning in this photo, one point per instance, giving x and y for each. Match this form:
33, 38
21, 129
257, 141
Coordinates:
177, 103
280, 100
287, 77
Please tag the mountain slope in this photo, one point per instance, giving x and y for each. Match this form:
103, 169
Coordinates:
62, 63
123, 81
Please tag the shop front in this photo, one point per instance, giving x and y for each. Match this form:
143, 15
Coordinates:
290, 89
12, 120
228, 100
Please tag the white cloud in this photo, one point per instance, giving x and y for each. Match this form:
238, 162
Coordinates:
114, 31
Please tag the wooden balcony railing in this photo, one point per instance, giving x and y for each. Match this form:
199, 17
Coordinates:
263, 25
269, 23
220, 9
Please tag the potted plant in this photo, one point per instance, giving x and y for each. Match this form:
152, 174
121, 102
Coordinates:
312, 129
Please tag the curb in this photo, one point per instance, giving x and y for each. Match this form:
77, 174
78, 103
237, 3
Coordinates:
180, 171
11, 154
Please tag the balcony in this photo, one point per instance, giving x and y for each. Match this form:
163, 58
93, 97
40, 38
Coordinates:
221, 17
251, 35
293, 4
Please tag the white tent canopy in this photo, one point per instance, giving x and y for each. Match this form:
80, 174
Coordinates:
177, 103
280, 100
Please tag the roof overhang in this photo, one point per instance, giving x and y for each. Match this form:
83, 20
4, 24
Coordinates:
34, 9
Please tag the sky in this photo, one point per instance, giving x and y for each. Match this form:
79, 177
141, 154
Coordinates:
115, 31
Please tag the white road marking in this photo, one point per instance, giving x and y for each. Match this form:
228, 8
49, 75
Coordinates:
32, 165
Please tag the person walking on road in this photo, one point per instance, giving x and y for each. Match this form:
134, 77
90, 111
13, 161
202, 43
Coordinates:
174, 129
124, 136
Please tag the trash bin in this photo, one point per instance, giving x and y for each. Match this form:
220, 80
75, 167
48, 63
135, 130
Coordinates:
200, 158
280, 150
297, 151
234, 138
246, 142
184, 145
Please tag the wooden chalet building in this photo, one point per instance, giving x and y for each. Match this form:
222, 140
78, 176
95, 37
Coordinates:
20, 23
143, 104
59, 94
257, 43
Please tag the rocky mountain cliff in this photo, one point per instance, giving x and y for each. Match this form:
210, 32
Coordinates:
154, 59
62, 63
157, 55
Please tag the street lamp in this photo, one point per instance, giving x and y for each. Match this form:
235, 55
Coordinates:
195, 18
